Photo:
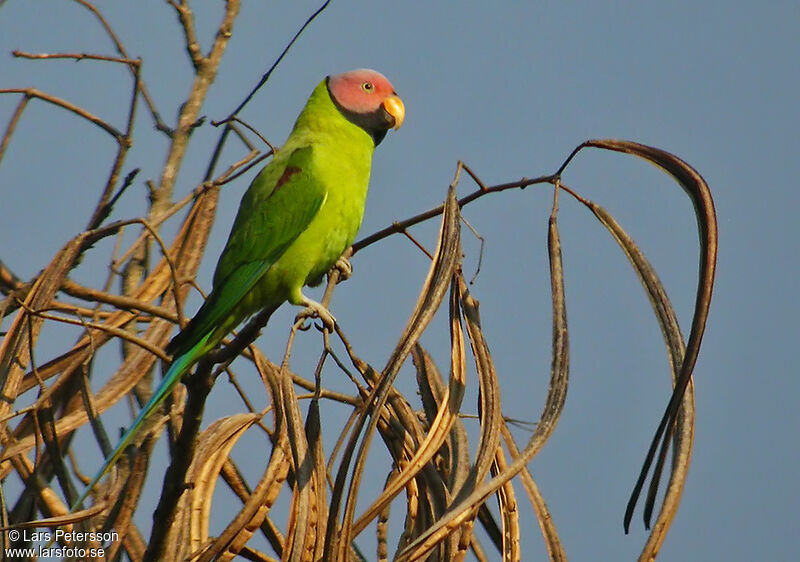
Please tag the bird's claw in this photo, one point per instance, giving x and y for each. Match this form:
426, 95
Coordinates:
344, 268
314, 309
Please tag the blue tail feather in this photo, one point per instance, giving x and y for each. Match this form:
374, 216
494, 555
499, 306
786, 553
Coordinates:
180, 365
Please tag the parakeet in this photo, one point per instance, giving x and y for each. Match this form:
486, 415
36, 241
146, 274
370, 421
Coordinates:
295, 220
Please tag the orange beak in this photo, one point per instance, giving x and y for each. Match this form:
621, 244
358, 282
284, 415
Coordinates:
393, 105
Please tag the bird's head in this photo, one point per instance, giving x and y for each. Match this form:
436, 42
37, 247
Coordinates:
366, 98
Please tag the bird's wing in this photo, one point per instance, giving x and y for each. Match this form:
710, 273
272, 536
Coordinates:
272, 215
275, 210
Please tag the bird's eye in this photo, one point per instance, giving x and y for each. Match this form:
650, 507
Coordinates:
367, 87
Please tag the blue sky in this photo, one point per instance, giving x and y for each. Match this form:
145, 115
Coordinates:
510, 88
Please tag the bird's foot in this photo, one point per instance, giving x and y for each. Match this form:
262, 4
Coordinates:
344, 268
313, 309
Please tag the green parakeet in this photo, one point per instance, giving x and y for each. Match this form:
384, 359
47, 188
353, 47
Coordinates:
295, 220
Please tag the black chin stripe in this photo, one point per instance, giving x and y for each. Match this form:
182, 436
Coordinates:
375, 123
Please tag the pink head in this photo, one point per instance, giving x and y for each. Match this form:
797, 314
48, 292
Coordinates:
368, 99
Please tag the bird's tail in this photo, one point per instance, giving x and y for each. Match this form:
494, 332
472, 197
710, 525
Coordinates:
180, 365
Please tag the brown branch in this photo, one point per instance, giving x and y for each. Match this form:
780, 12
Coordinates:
160, 125
9, 280
76, 56
103, 207
417, 243
190, 111
106, 205
399, 226
79, 111
177, 206
246, 168
12, 125
187, 24
79, 291
118, 332
234, 119
198, 386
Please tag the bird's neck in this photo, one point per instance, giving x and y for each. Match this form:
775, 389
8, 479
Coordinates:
321, 121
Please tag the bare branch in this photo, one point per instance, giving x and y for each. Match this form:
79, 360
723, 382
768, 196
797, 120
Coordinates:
12, 124
187, 24
76, 56
399, 226
160, 125
79, 111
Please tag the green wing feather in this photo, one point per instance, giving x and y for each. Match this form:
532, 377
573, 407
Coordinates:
271, 217
273, 213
